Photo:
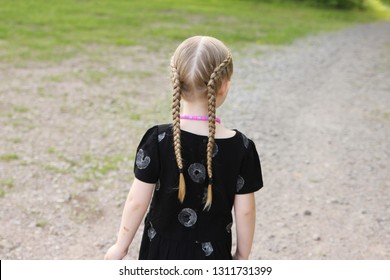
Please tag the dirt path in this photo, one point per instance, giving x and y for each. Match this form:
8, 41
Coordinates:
321, 118
318, 111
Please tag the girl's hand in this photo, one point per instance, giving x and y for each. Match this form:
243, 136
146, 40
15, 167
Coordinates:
115, 253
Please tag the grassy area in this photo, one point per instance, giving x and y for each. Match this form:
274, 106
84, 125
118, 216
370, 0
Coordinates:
48, 29
8, 157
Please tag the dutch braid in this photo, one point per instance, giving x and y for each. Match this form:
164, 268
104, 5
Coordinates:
176, 97
215, 79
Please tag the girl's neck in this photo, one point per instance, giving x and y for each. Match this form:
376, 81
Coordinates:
195, 108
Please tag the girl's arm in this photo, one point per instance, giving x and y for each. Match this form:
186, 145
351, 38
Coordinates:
245, 214
135, 208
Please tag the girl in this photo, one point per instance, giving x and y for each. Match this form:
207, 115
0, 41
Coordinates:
193, 171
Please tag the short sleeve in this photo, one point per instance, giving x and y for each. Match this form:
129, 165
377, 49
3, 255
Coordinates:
147, 161
250, 178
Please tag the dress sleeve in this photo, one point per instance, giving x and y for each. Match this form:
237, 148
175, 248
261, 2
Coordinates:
250, 178
147, 160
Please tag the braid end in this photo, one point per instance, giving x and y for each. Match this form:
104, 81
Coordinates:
182, 188
207, 206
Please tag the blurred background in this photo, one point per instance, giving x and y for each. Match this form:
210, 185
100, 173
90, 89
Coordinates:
81, 80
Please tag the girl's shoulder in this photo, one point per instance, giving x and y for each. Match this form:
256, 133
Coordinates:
156, 130
245, 140
230, 136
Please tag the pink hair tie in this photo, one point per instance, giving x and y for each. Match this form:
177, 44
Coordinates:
198, 118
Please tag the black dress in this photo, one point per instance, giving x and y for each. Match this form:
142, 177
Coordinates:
175, 230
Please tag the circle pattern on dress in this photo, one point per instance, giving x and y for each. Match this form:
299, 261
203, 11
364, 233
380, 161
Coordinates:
161, 136
240, 183
151, 232
187, 217
229, 227
215, 150
197, 172
142, 161
207, 248
245, 141
158, 185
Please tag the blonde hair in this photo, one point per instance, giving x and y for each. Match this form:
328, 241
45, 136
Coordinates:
199, 66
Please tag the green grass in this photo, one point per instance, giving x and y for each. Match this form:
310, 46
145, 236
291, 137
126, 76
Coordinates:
53, 30
41, 223
8, 157
15, 140
87, 168
20, 109
5, 186
7, 183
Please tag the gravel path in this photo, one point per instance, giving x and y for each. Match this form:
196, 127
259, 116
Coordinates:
320, 114
318, 111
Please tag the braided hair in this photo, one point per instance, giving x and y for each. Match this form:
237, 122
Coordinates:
199, 66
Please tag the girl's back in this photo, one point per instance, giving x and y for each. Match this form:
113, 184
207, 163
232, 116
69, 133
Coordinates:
175, 230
